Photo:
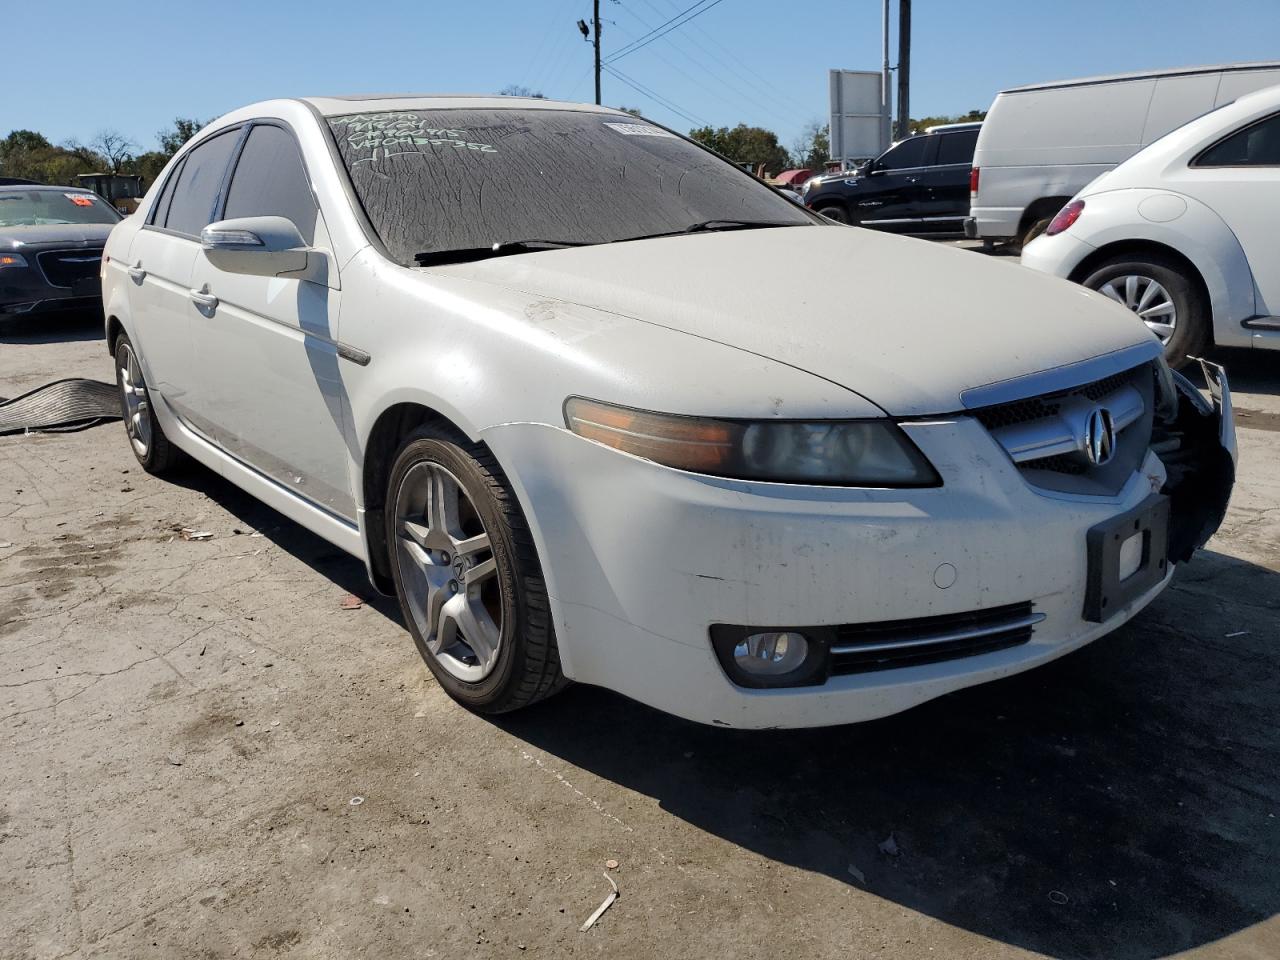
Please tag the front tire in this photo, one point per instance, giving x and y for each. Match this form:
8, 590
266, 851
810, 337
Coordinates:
467, 575
834, 211
1168, 301
146, 437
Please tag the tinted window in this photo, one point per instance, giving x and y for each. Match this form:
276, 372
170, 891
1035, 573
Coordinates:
957, 147
1257, 145
160, 211
909, 153
25, 208
270, 181
198, 184
440, 180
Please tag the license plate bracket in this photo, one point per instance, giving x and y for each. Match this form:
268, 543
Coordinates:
1105, 593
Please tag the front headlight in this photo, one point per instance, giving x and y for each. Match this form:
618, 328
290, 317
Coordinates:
849, 453
12, 260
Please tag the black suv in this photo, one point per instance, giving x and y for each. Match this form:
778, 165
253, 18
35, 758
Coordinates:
919, 185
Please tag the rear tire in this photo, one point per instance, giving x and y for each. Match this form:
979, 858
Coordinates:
146, 437
1150, 281
467, 575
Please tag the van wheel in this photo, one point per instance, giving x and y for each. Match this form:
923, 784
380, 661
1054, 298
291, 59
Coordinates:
1168, 301
152, 448
467, 575
1036, 228
834, 212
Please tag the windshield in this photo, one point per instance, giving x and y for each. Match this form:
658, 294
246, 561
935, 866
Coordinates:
26, 208
437, 180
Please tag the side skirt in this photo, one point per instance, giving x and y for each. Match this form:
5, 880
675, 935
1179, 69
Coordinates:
342, 534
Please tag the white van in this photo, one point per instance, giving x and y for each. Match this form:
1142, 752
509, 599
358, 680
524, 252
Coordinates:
1042, 143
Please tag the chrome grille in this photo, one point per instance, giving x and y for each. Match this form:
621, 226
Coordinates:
1046, 436
863, 647
64, 268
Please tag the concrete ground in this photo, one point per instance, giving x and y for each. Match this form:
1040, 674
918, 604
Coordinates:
206, 755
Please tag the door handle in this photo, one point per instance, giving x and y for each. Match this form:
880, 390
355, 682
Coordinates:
203, 298
136, 273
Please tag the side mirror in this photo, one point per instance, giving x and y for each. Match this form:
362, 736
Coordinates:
263, 247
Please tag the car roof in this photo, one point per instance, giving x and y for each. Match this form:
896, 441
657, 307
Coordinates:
953, 127
376, 102
1150, 75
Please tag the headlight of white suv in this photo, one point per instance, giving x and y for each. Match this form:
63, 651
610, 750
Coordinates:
847, 453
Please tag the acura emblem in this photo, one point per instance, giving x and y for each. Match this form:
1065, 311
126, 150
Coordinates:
1100, 437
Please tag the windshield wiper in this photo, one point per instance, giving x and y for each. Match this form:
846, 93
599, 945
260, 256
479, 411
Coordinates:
718, 226
435, 258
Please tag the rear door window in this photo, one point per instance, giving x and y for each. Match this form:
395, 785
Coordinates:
956, 148
1257, 145
197, 189
909, 153
270, 180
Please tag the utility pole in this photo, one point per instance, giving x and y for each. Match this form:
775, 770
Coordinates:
595, 22
886, 117
904, 68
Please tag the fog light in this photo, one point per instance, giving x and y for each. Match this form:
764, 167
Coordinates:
1131, 552
769, 654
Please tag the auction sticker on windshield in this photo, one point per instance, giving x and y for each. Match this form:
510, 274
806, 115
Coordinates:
639, 130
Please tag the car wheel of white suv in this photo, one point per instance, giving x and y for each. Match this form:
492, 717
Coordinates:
467, 575
1158, 291
152, 448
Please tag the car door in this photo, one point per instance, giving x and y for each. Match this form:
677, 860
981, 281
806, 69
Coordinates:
890, 196
946, 182
161, 258
1239, 179
266, 346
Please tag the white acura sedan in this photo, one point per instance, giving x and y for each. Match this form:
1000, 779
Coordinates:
1184, 232
534, 364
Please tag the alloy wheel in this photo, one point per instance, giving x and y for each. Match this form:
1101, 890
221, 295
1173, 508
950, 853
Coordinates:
448, 571
1148, 299
136, 403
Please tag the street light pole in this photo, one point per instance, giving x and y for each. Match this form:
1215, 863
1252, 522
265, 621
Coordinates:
904, 68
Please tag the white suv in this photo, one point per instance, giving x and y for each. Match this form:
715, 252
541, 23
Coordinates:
1184, 232
534, 364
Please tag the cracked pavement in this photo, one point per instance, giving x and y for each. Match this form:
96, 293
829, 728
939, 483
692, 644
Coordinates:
204, 755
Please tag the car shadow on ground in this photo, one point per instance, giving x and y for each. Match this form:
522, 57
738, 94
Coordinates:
1248, 371
1118, 803
331, 562
53, 328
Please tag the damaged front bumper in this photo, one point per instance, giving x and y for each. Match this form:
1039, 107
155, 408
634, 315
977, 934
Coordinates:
646, 565
1195, 439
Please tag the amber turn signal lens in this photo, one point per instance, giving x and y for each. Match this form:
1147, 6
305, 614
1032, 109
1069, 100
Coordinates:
686, 443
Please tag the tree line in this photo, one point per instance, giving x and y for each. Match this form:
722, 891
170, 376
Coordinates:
31, 156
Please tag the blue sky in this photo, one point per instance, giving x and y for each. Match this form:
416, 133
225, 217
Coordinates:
144, 62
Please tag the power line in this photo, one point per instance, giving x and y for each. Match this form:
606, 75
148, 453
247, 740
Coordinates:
743, 69
655, 97
676, 21
742, 95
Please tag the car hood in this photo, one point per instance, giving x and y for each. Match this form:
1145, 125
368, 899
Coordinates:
78, 234
907, 324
